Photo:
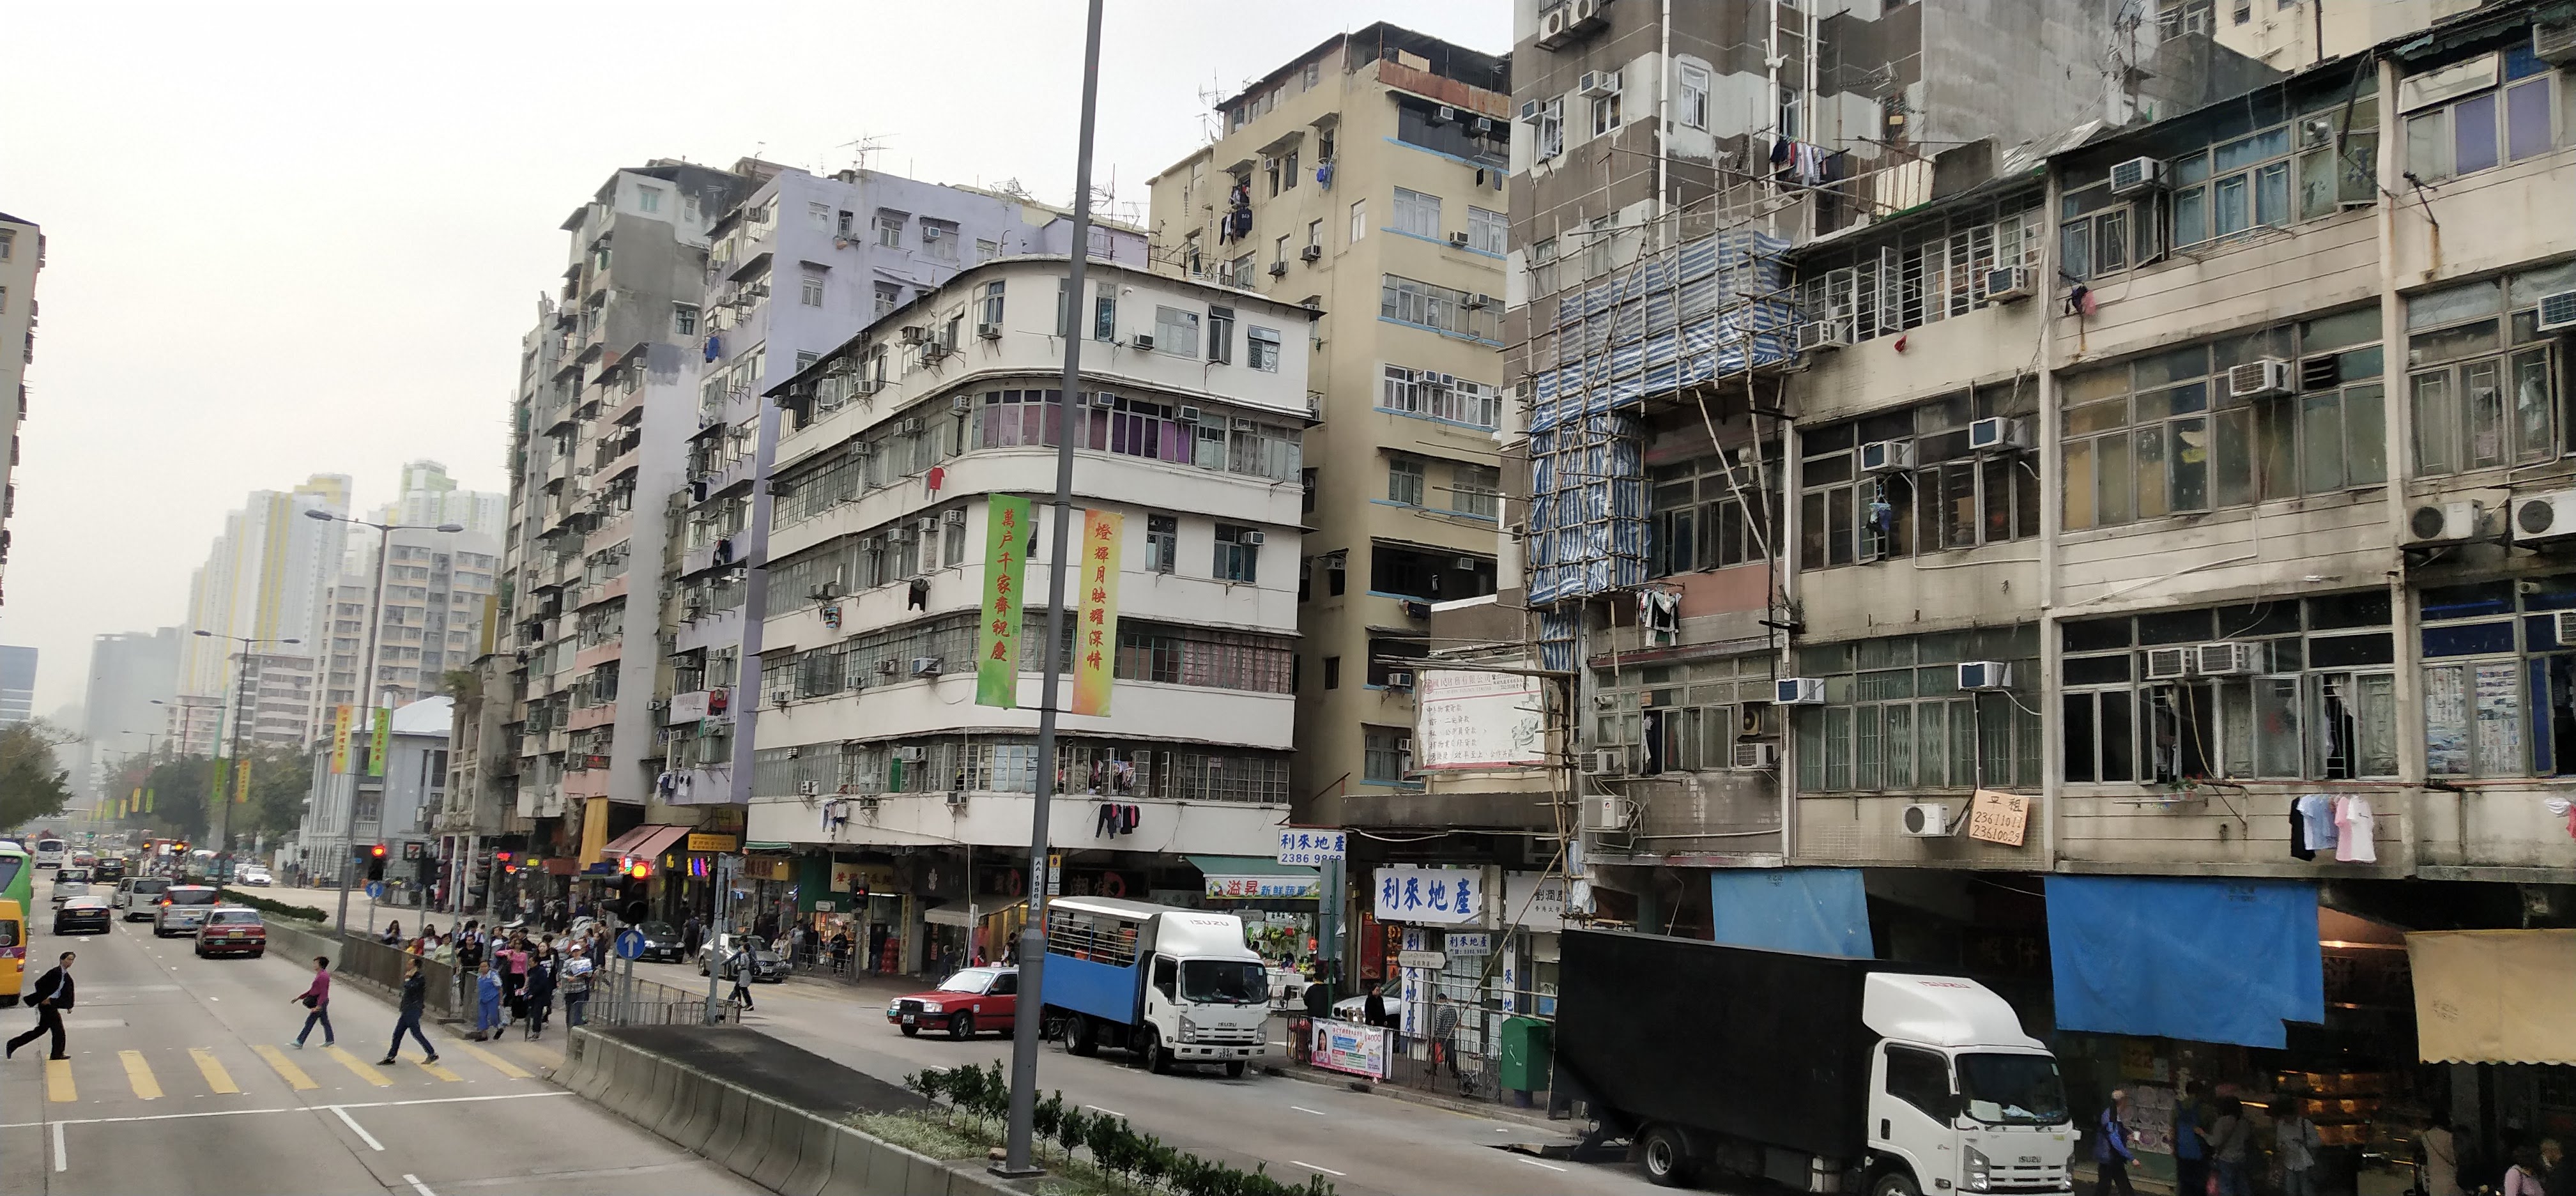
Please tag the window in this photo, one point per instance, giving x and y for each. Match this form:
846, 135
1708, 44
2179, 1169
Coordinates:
991, 312
1551, 131
1487, 232
1694, 89
889, 224
1359, 220
1605, 115
1702, 521
1240, 272
1162, 542
2273, 176
1262, 349
1439, 396
1220, 345
684, 319
1386, 755
889, 297
1476, 490
1332, 672
1895, 719
1404, 475
1288, 171
1104, 312
1315, 234
939, 239
1683, 717
1542, 267
811, 292
1238, 553
1435, 307
2165, 435
2491, 127
1417, 213
9, 242
1921, 1078
1950, 498
1428, 576
986, 251
820, 216
1279, 249
648, 199
2482, 383
1176, 331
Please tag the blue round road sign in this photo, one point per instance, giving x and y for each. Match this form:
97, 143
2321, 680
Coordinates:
375, 888
630, 944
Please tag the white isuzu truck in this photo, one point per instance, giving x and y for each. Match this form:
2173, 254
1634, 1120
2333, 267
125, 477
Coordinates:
1169, 985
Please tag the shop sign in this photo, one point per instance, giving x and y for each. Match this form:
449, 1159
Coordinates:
1055, 874
1465, 942
1433, 960
1306, 847
718, 844
686, 708
1438, 896
1350, 1048
1998, 817
861, 878
1475, 719
1534, 901
825, 907
1291, 888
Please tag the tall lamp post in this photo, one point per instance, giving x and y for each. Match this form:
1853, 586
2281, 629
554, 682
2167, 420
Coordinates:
368, 690
240, 789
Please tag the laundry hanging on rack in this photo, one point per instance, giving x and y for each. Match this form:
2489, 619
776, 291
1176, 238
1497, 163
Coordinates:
2354, 823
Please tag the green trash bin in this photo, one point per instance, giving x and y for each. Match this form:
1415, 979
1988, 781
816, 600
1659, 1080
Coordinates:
1528, 1052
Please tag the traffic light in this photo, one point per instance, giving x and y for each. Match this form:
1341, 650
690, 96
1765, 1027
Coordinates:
376, 861
502, 856
640, 869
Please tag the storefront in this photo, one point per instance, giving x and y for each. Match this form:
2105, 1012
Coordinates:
1276, 902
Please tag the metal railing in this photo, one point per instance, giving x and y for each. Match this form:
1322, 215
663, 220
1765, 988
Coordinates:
620, 998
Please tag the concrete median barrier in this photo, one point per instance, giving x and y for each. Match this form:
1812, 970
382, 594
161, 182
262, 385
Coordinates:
786, 1138
705, 1101
814, 1143
759, 1122
730, 1111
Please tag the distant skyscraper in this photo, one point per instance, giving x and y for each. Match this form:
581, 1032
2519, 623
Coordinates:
133, 676
265, 578
17, 685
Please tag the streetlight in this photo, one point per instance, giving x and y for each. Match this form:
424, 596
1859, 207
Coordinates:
367, 680
223, 827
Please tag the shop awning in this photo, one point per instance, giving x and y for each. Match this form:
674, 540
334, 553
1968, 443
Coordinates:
1820, 911
2199, 959
648, 841
1251, 876
2494, 996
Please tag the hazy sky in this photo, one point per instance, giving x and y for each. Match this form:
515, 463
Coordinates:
298, 239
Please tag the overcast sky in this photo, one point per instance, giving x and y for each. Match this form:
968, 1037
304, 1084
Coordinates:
287, 240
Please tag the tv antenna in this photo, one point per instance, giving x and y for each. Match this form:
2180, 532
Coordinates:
862, 149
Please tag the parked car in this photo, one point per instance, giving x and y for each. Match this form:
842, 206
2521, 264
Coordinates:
256, 876
969, 1001
136, 895
181, 909
766, 965
84, 914
232, 930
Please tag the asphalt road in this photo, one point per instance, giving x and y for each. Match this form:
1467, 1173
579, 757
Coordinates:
181, 1080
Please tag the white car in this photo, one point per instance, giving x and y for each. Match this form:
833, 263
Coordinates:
257, 876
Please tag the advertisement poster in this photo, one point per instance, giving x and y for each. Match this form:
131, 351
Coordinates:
1350, 1047
1311, 847
1999, 817
1534, 900
1476, 720
381, 742
1095, 642
1436, 896
997, 634
340, 720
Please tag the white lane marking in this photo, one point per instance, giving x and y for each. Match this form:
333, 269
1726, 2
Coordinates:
381, 1104
418, 1186
1098, 1109
1304, 1109
1326, 1170
359, 1130
62, 1157
1549, 1166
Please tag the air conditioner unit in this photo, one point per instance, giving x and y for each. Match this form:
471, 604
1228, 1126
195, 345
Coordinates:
1984, 674
825, 592
1799, 691
1479, 300
2168, 664
1251, 536
1583, 17
1996, 434
809, 788
1531, 110
2565, 626
1187, 415
990, 332
1443, 114
911, 334
957, 799
1142, 342
1817, 335
1752, 756
1278, 269
2005, 284
1605, 813
1551, 27
889, 667
2539, 518
2136, 175
2554, 44
2433, 524
1606, 762
2261, 376
1599, 83
2558, 311
1484, 127
961, 404
933, 350
868, 386
2229, 658
1310, 253
1886, 456
1399, 679
925, 666
1414, 610
913, 754
1927, 820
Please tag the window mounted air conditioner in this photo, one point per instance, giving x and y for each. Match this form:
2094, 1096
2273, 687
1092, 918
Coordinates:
961, 404
2262, 376
1278, 269
957, 800
1251, 537
867, 386
1399, 679
1443, 114
1984, 674
1799, 691
2168, 664
2229, 658
913, 425
1310, 253
2554, 44
1458, 240
1754, 756
1927, 820
1886, 456
933, 351
2006, 284
2558, 310
2541, 518
1187, 415
809, 788
1607, 762
914, 754
1530, 110
2136, 175
1822, 335
2564, 623
925, 666
2433, 524
1996, 434
1599, 83
912, 334
990, 332
1142, 342
889, 667
1479, 300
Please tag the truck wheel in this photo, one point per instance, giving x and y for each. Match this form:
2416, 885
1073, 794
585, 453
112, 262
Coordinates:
961, 1025
1150, 1052
1079, 1038
1894, 1183
1234, 1069
1666, 1158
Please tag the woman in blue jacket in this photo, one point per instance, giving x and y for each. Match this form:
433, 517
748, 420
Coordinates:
487, 1003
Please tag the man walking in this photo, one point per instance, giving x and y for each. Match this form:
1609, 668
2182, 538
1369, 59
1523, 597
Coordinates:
415, 995
317, 997
52, 995
2111, 1155
740, 963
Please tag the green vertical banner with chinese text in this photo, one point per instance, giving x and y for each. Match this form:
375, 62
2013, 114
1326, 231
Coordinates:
382, 740
997, 634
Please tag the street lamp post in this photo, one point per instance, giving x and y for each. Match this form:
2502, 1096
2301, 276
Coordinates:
367, 687
222, 828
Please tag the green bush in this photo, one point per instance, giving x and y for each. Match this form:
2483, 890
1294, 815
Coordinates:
1116, 1148
301, 913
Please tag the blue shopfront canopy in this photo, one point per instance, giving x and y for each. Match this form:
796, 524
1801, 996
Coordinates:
2194, 958
1820, 911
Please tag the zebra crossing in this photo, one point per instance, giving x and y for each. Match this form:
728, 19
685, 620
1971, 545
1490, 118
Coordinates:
255, 1070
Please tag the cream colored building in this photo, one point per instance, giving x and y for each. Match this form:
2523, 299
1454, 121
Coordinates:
1365, 178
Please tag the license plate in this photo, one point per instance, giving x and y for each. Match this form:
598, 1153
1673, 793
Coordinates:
909, 1019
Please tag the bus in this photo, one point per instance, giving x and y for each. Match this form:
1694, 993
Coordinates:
17, 876
49, 852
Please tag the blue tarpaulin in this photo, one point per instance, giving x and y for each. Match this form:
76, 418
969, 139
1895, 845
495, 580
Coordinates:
2204, 960
1820, 911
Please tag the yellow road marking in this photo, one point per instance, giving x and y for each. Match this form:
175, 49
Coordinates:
216, 1077
441, 1072
139, 1074
284, 1067
358, 1067
499, 1064
58, 1082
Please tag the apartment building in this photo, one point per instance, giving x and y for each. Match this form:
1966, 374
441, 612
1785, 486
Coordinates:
125, 703
903, 799
2293, 35
439, 587
264, 592
22, 255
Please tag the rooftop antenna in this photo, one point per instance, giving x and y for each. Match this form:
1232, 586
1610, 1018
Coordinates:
862, 148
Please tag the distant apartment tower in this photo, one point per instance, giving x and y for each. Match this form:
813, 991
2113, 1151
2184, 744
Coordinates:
22, 254
438, 590
125, 707
264, 580
17, 685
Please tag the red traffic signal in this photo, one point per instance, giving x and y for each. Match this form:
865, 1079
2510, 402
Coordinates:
378, 851
502, 856
639, 869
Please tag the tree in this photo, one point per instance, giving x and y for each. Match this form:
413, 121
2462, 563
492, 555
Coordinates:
31, 786
280, 781
178, 789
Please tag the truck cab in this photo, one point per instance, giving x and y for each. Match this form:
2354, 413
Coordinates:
1169, 985
1959, 1098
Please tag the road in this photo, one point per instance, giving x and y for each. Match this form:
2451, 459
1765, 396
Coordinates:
180, 1081
1366, 1144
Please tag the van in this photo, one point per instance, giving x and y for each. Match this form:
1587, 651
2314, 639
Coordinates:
13, 951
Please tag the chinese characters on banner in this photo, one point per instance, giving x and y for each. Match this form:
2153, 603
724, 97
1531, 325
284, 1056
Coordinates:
997, 633
241, 781
1308, 847
1095, 638
340, 721
1476, 720
1442, 896
382, 741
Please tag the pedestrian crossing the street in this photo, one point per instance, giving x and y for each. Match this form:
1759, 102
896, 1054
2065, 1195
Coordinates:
183, 1074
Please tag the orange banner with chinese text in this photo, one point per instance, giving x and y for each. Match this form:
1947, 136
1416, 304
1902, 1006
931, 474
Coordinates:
1095, 637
